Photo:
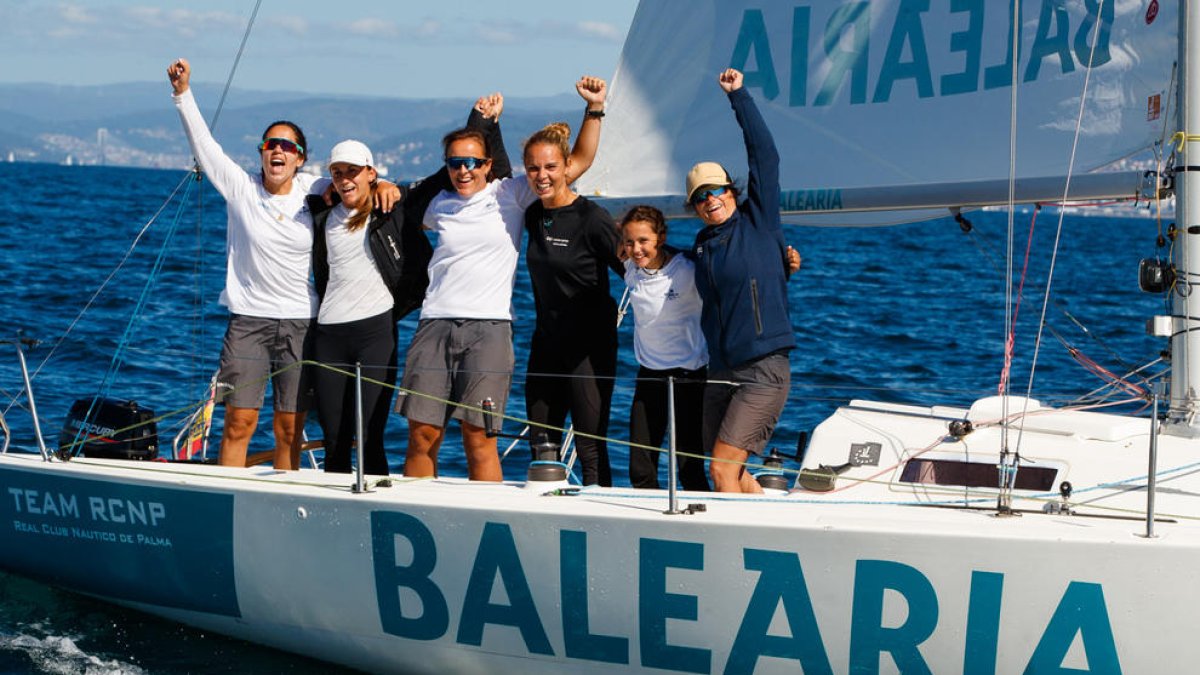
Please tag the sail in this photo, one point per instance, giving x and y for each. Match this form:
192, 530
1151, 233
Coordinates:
891, 104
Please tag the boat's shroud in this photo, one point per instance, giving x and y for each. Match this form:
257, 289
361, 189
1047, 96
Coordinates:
448, 576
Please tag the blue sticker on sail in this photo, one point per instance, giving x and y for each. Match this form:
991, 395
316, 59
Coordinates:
166, 547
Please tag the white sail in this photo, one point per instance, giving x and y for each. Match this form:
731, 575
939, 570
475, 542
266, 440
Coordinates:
891, 93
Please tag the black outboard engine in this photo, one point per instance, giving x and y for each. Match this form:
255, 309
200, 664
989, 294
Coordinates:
114, 430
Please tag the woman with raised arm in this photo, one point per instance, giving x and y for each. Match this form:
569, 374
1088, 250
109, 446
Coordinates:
268, 291
462, 351
745, 315
371, 269
572, 246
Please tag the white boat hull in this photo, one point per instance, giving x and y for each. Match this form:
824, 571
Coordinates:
446, 576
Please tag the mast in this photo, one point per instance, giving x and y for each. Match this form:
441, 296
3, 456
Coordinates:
1183, 418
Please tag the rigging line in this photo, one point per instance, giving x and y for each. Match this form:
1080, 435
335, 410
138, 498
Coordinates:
1037, 343
1163, 159
1011, 338
236, 60
1004, 497
118, 356
980, 242
1076, 353
104, 284
1014, 47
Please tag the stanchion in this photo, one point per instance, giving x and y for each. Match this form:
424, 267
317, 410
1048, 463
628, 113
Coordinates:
1152, 471
359, 483
672, 497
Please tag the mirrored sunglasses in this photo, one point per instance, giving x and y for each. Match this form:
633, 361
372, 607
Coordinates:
470, 163
285, 144
703, 195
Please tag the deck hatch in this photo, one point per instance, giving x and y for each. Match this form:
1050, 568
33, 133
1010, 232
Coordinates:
974, 474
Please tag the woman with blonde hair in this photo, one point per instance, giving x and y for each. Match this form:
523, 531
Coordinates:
573, 354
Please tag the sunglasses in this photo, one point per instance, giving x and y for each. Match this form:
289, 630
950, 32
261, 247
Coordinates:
283, 144
702, 196
469, 163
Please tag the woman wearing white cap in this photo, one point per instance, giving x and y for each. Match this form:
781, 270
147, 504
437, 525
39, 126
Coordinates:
370, 269
268, 291
741, 273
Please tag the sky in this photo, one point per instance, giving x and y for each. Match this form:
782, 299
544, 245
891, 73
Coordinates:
431, 48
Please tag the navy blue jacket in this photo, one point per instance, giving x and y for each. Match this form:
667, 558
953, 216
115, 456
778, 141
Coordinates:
740, 268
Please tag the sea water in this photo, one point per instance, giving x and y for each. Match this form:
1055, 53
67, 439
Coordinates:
911, 314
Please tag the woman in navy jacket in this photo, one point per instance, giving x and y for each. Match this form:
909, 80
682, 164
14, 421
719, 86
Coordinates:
741, 273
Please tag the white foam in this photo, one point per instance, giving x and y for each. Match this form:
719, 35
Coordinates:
59, 655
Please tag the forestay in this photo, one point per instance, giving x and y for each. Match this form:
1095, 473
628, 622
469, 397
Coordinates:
909, 95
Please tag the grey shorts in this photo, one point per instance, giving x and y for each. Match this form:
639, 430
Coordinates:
460, 361
745, 415
255, 348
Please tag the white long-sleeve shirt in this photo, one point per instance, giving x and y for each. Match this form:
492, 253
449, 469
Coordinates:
268, 244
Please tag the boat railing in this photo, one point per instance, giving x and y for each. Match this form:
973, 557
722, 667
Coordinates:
20, 343
672, 451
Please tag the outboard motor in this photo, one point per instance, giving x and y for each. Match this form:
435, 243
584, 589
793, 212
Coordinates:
114, 430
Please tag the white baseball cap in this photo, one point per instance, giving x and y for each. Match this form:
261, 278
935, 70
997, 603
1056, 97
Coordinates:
351, 152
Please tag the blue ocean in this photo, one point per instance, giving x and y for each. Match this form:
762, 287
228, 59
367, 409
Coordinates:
911, 313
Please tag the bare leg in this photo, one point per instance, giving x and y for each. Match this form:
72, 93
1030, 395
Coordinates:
424, 440
483, 459
240, 424
731, 475
289, 435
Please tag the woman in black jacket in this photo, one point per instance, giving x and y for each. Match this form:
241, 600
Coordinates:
370, 269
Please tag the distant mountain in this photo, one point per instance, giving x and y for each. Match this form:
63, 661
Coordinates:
135, 124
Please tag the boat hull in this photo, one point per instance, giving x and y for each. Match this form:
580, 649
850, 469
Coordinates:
445, 576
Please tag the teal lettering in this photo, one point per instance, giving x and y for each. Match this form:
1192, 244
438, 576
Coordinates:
868, 637
781, 580
1083, 50
1082, 610
798, 84
983, 624
752, 35
1045, 44
810, 200
907, 30
434, 619
497, 555
970, 42
656, 605
1000, 75
580, 643
854, 16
